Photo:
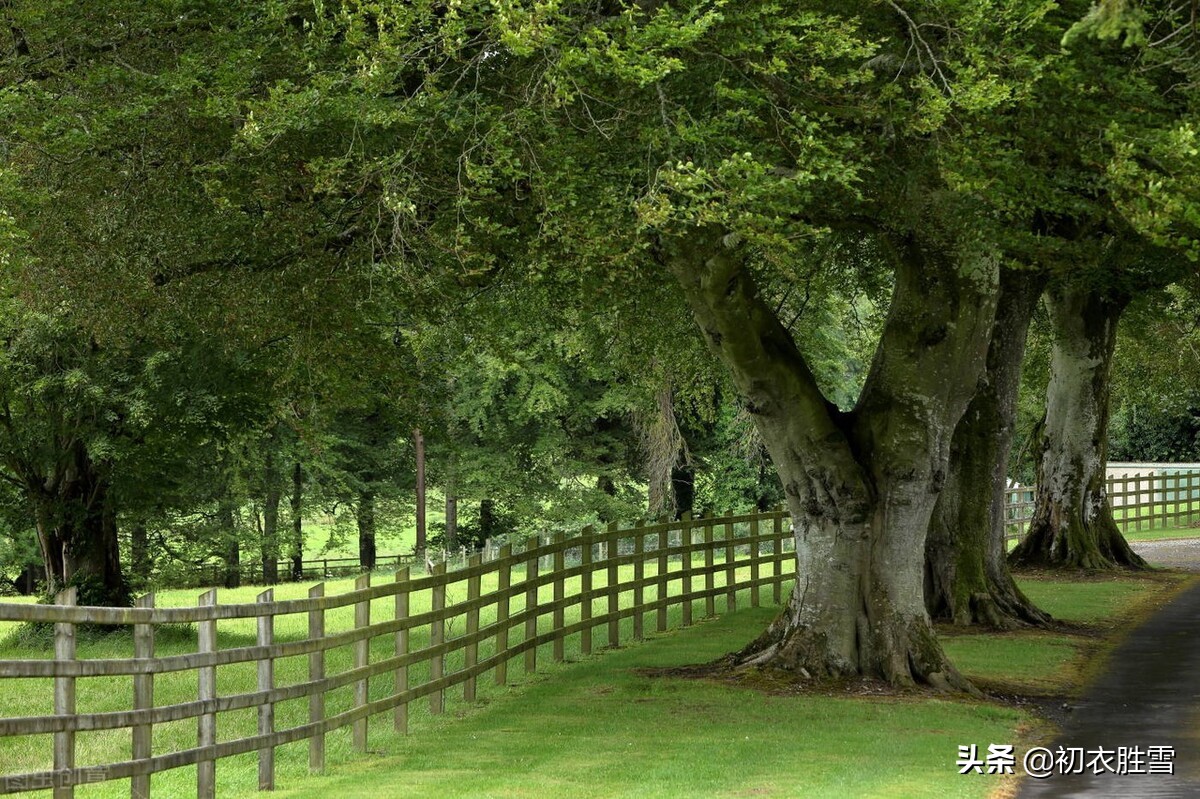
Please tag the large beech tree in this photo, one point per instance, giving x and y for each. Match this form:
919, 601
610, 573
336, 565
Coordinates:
1101, 142
1072, 525
1072, 522
1133, 205
861, 485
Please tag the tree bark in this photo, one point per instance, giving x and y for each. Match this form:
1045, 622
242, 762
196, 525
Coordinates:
967, 580
140, 562
297, 503
451, 506
272, 495
487, 519
233, 550
1072, 525
419, 441
77, 533
683, 486
366, 530
861, 486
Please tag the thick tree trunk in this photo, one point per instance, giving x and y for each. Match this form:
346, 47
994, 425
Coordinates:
419, 441
488, 526
77, 533
967, 580
296, 545
272, 495
861, 486
451, 507
232, 546
683, 485
31, 578
140, 562
366, 530
1072, 525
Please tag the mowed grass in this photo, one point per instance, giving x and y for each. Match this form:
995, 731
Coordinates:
602, 728
1156, 532
594, 725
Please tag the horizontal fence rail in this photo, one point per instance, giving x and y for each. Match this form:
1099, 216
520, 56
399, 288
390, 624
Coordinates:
1138, 502
637, 573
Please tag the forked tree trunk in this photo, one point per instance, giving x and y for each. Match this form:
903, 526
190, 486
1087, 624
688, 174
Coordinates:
861, 486
967, 580
1072, 525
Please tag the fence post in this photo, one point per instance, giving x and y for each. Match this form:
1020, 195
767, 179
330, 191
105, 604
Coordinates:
400, 719
362, 654
685, 583
1110, 487
613, 548
1150, 500
585, 591
560, 589
472, 649
710, 580
533, 549
1136, 507
437, 635
503, 582
664, 541
1166, 506
64, 698
755, 549
777, 583
206, 733
730, 566
639, 576
143, 699
316, 672
266, 682
1190, 504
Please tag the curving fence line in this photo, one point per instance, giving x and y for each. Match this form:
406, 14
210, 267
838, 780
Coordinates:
608, 575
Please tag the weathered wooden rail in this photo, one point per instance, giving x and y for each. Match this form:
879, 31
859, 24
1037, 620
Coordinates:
672, 563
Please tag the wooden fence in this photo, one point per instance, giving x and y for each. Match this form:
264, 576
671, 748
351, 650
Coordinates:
1139, 502
250, 572
672, 563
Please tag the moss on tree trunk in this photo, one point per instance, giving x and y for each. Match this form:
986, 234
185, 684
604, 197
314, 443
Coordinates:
967, 580
861, 486
1072, 525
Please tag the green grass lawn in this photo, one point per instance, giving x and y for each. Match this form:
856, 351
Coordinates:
599, 728
1162, 532
596, 727
1156, 533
